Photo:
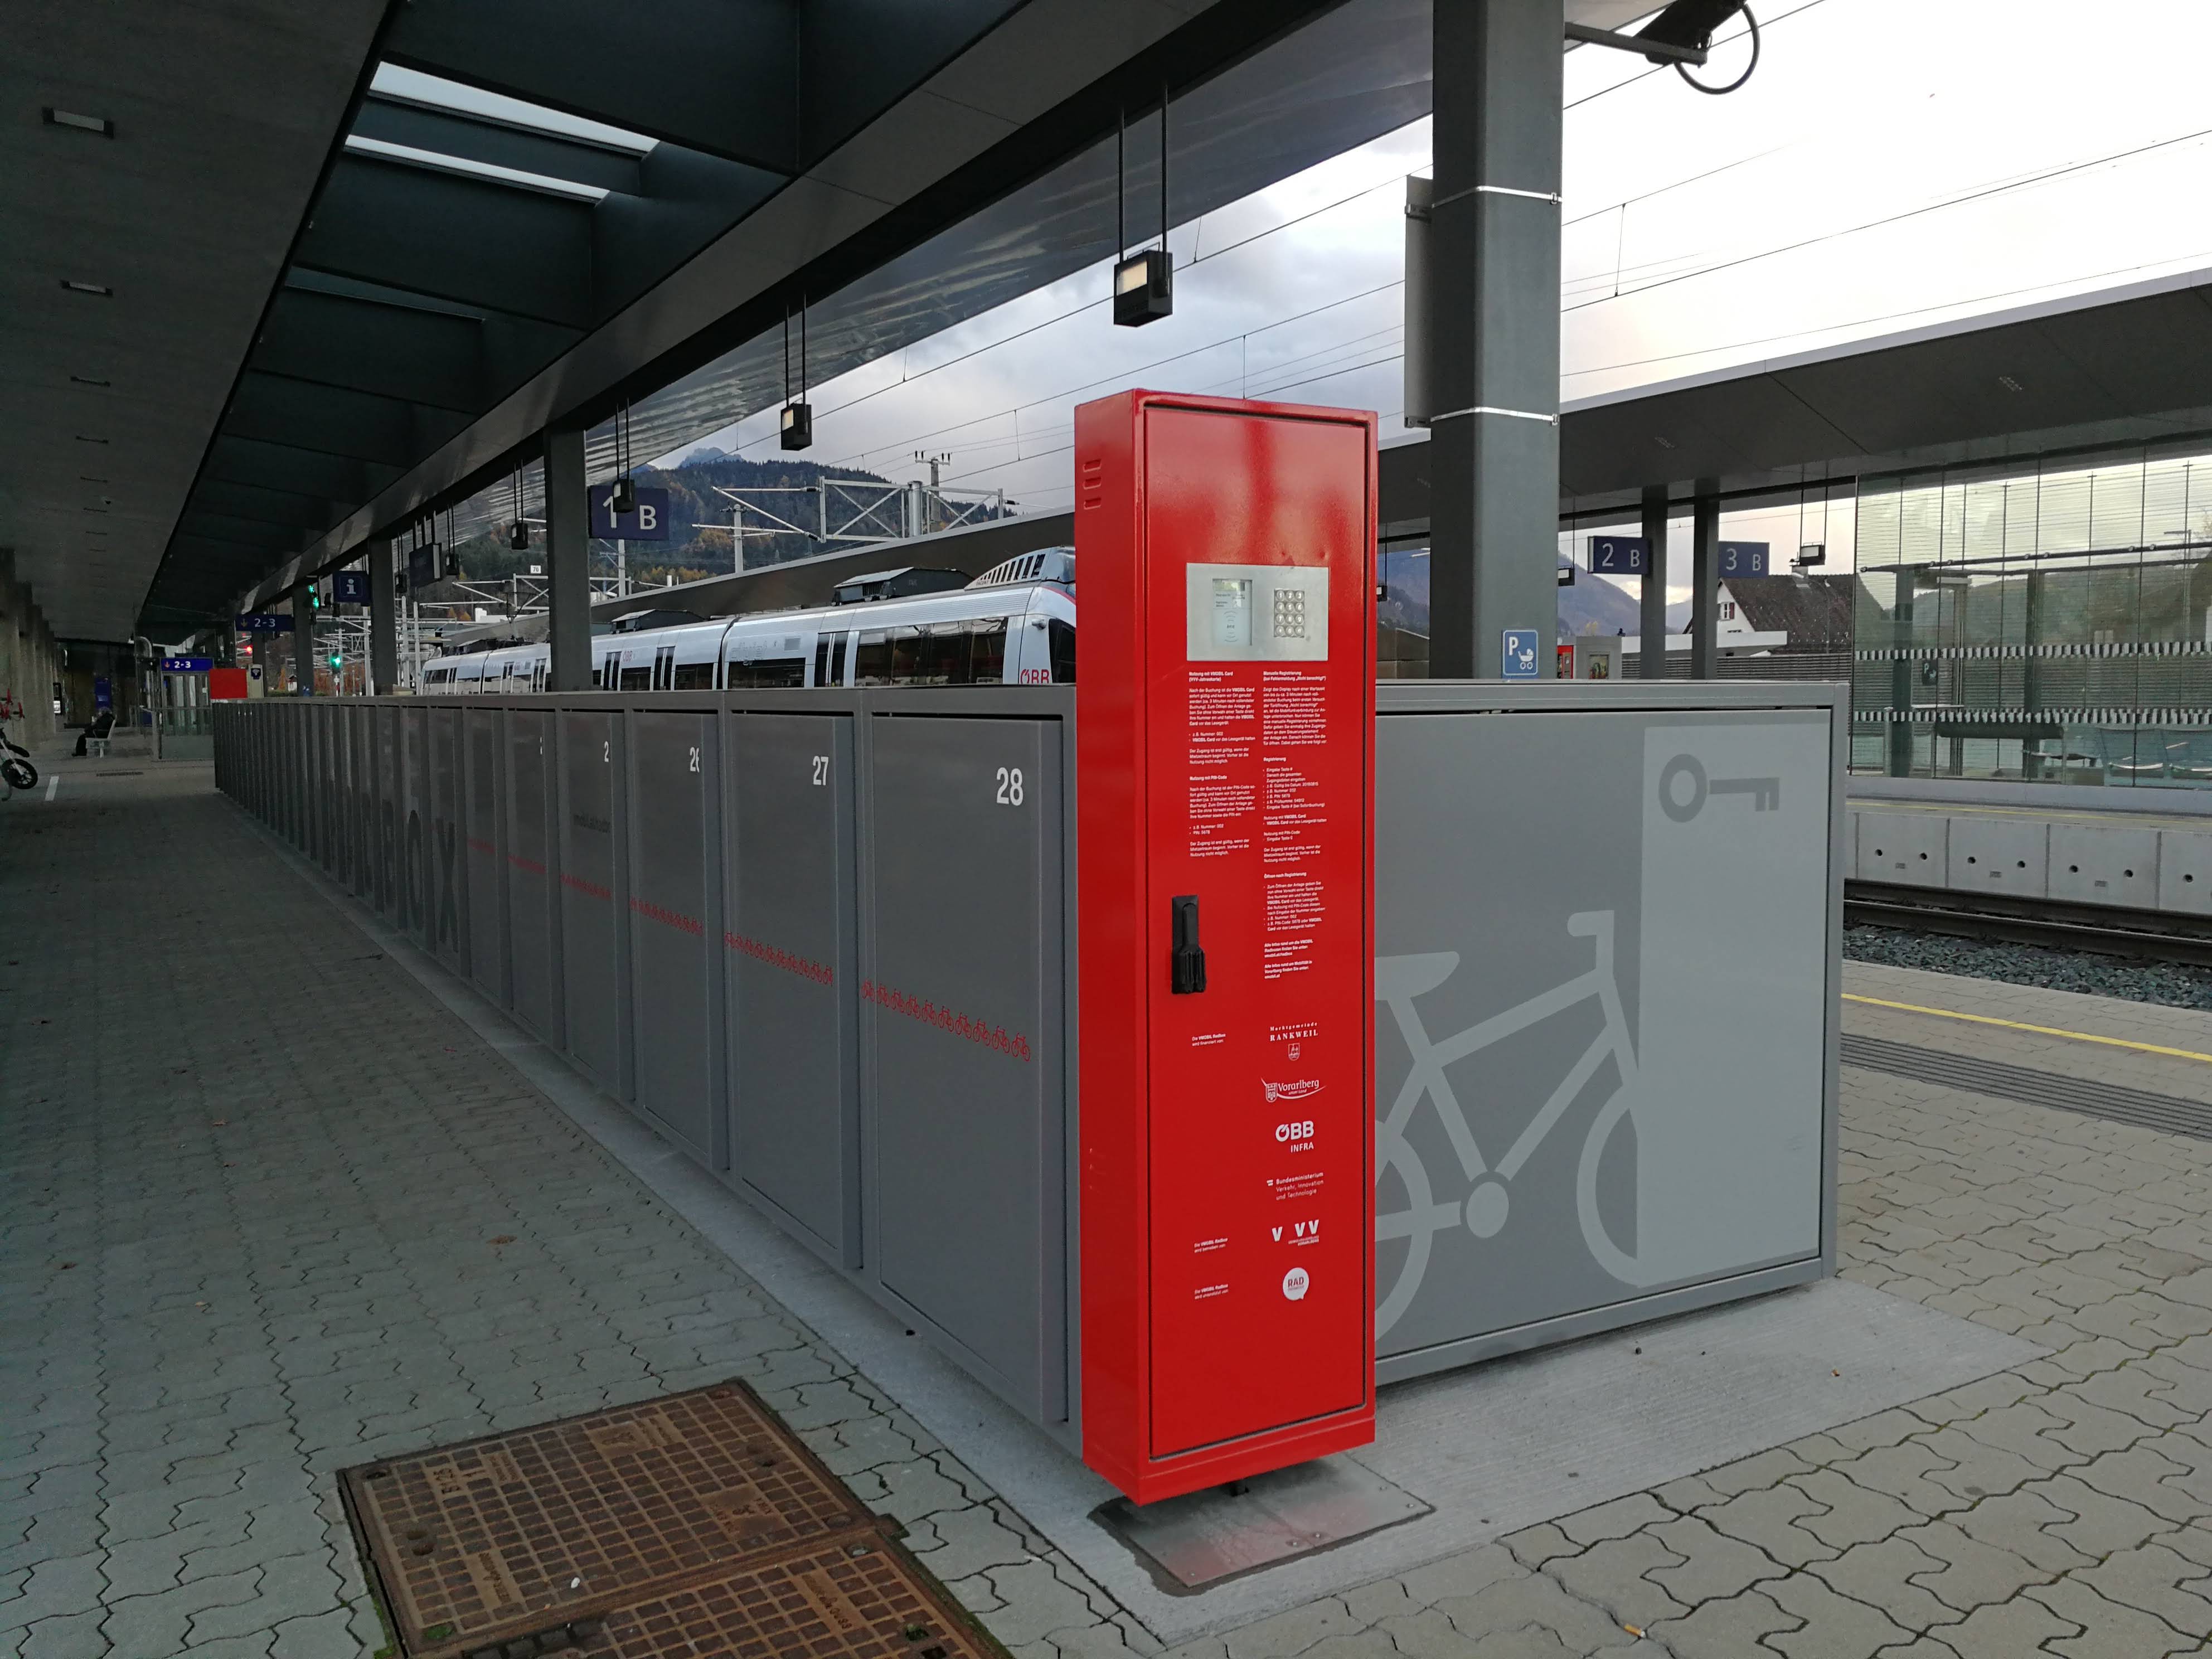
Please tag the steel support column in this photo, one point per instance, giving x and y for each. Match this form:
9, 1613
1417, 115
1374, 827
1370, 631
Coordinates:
1494, 371
1651, 649
568, 555
1704, 578
303, 638
383, 621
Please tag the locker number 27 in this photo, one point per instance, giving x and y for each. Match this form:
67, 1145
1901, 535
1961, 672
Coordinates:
1010, 786
820, 771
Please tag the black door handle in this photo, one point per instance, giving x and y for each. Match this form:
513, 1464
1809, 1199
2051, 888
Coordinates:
1187, 962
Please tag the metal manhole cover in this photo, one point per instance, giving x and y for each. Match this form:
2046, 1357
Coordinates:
508, 1535
860, 1601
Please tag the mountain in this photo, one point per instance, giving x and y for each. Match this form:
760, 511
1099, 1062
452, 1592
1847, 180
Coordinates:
706, 454
1592, 601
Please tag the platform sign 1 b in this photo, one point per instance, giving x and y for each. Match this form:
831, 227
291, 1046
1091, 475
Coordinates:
1742, 559
646, 522
1519, 653
1619, 556
1225, 802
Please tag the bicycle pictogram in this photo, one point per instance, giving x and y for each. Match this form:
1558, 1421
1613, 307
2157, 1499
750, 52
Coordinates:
1483, 1211
1683, 791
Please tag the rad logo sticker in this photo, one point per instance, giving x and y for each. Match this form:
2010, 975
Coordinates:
1297, 1090
1295, 1284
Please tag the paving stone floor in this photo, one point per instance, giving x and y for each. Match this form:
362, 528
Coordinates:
267, 1210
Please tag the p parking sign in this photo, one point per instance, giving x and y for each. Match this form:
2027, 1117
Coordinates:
1519, 653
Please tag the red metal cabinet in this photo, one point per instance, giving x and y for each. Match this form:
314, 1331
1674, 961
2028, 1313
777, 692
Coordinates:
1224, 557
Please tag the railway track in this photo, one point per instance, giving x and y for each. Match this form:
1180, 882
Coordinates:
2140, 934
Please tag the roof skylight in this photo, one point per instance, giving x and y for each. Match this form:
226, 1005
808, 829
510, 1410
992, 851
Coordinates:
435, 92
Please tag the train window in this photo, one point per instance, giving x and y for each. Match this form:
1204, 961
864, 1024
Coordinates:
695, 677
595, 679
637, 679
608, 677
771, 672
664, 668
871, 662
986, 662
1062, 636
837, 661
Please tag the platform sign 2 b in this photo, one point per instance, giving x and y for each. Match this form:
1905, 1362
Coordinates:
1225, 801
1619, 556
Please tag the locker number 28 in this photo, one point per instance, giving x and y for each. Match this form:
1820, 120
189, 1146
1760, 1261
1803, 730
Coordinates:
1010, 786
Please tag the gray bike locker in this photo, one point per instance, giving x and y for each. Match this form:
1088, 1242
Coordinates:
675, 931
533, 930
1602, 997
483, 839
962, 1099
789, 950
448, 899
595, 942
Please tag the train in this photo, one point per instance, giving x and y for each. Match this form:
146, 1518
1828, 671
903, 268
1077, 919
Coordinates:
1012, 625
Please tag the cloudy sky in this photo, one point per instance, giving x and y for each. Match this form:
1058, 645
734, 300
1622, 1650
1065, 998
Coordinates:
1892, 163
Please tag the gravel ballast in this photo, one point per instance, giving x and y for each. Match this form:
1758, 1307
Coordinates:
2170, 984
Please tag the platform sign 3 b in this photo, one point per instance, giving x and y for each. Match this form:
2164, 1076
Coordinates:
1742, 559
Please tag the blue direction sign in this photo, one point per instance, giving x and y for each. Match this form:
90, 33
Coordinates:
262, 622
1519, 653
648, 523
1619, 556
349, 587
187, 665
1742, 559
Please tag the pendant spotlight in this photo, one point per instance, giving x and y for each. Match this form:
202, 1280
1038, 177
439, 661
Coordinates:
797, 413
452, 552
1144, 283
622, 499
518, 537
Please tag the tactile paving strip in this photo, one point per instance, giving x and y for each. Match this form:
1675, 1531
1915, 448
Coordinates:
861, 1600
514, 1533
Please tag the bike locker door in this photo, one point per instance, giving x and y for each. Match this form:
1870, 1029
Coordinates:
788, 949
389, 760
533, 937
448, 930
594, 938
485, 839
361, 806
414, 728
961, 1018
675, 878
326, 814
1599, 1049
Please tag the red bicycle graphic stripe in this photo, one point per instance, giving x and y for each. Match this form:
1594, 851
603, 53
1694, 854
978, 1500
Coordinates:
777, 956
945, 1019
668, 918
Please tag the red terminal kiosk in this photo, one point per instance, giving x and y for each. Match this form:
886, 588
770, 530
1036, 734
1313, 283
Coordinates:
1225, 745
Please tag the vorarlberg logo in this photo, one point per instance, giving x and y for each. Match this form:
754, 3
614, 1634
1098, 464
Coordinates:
1297, 1090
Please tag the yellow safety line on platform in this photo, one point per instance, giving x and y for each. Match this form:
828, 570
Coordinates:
2041, 1030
